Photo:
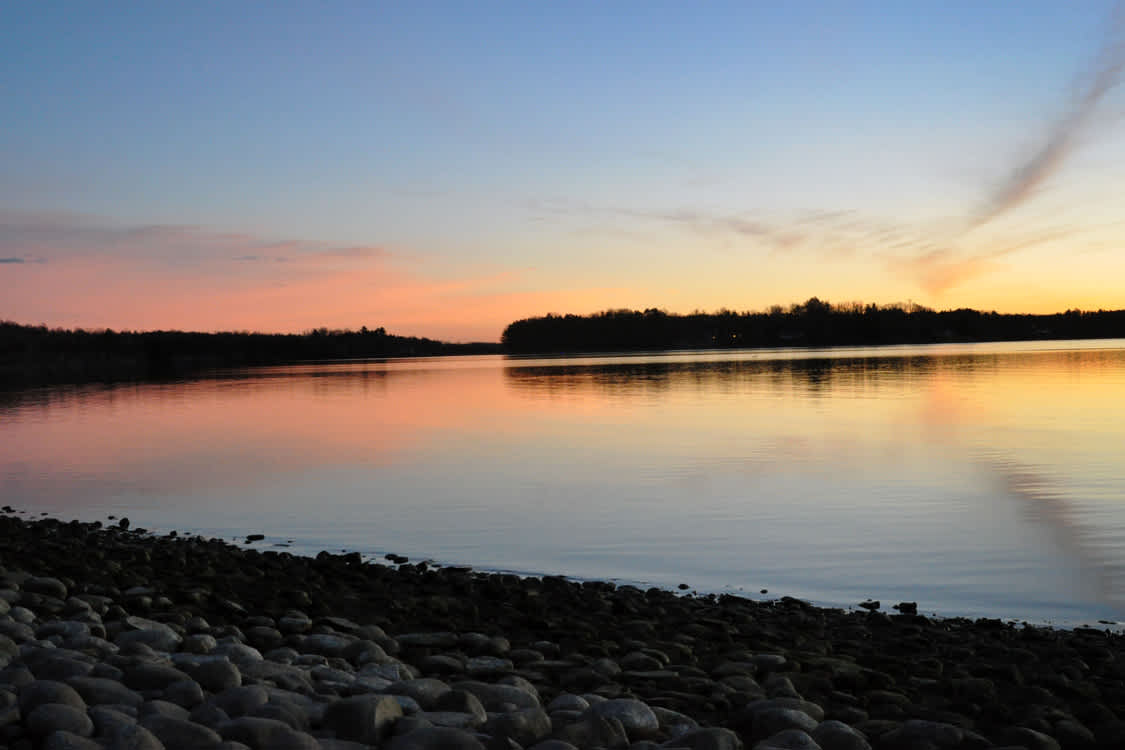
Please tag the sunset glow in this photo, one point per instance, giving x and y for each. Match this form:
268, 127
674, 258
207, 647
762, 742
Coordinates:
442, 169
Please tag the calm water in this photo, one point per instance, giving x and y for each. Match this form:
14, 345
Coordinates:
977, 480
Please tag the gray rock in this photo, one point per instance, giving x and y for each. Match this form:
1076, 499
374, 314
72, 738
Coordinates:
637, 719
435, 738
36, 693
46, 586
163, 708
48, 717
462, 701
526, 726
362, 718
552, 745
131, 737
807, 707
239, 653
770, 721
568, 702
441, 640
453, 719
425, 690
159, 639
488, 666
790, 739
99, 691
186, 693
151, 676
237, 701
706, 739
61, 740
916, 731
1029, 738
216, 675
836, 735
106, 719
592, 731
181, 734
266, 734
209, 715
500, 697
199, 643
326, 644
674, 723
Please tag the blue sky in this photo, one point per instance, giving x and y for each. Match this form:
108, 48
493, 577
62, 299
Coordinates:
523, 158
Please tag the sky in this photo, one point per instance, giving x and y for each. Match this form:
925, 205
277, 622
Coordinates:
444, 168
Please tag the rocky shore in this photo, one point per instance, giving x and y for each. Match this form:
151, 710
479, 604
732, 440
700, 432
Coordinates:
114, 638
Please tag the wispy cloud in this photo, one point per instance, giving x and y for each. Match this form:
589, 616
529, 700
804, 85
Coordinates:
1105, 75
72, 236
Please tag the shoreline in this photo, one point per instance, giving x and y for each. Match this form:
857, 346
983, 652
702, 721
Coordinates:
589, 663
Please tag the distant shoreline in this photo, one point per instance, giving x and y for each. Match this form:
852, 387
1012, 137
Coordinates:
37, 355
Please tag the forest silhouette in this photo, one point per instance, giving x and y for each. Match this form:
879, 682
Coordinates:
811, 323
38, 354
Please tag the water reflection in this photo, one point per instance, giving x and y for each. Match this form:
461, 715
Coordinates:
977, 479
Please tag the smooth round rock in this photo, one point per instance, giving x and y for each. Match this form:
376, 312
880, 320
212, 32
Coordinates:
435, 738
48, 717
635, 716
363, 718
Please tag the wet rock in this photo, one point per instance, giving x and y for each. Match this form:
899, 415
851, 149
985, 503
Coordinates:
425, 690
637, 719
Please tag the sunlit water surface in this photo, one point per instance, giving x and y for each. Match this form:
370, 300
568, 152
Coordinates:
976, 480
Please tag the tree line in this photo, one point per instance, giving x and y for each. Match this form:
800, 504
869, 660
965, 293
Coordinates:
811, 323
42, 354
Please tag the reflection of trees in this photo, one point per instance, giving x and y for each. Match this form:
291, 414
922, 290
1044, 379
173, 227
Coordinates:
810, 375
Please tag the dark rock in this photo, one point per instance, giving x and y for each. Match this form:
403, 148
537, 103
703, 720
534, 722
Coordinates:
435, 738
36, 693
835, 735
265, 734
363, 718
790, 739
49, 717
709, 738
61, 740
526, 726
181, 734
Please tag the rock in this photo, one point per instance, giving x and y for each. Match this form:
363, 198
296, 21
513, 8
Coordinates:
100, 691
45, 585
152, 676
499, 697
425, 690
706, 739
265, 734
38, 692
186, 693
363, 718
435, 738
790, 739
49, 717
181, 734
836, 735
131, 737
916, 731
637, 719
568, 702
769, 721
216, 675
526, 726
593, 731
163, 708
462, 701
237, 701
61, 740
441, 640
1029, 738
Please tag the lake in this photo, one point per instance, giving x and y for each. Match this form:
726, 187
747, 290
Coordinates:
979, 480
